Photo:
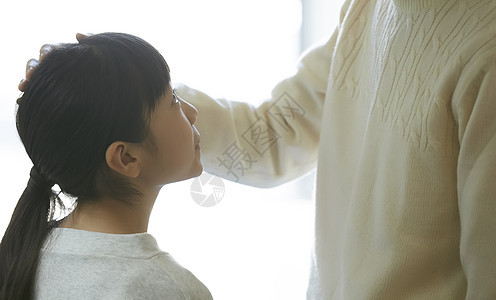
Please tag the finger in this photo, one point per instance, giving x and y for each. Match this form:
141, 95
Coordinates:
30, 66
82, 36
47, 48
22, 87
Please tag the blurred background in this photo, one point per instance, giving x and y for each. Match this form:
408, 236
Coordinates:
255, 243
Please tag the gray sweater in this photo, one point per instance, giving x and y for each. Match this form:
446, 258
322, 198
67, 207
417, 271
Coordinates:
76, 264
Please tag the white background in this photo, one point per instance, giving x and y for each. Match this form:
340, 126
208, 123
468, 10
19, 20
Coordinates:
256, 243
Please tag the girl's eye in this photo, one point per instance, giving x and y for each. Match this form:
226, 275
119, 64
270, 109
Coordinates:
175, 98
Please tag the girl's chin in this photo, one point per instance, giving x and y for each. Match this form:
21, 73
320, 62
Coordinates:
200, 170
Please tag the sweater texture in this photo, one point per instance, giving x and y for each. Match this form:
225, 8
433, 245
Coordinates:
397, 109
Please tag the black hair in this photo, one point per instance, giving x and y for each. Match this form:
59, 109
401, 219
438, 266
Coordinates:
80, 99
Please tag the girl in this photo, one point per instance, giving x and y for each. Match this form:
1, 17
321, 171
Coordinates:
100, 120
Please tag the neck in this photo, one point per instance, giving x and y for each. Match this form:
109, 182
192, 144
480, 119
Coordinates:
109, 215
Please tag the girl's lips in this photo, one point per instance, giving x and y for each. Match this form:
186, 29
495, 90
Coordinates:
197, 142
196, 137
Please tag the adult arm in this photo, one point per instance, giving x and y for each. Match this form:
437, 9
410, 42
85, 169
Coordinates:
475, 112
274, 142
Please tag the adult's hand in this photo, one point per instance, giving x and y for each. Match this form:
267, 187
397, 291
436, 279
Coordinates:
33, 63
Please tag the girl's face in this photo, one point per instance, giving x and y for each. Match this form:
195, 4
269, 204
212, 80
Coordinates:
177, 155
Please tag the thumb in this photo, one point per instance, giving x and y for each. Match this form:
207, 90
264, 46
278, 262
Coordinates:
82, 36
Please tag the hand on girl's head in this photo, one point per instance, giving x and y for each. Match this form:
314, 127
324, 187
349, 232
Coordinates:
33, 63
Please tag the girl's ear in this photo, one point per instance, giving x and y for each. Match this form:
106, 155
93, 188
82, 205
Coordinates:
121, 159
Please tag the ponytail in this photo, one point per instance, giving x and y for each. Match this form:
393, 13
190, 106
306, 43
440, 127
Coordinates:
21, 243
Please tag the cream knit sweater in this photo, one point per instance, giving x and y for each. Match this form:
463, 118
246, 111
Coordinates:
398, 111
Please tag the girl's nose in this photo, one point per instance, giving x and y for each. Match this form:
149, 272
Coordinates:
189, 110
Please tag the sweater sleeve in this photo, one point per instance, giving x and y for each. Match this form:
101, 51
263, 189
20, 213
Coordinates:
475, 110
275, 142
